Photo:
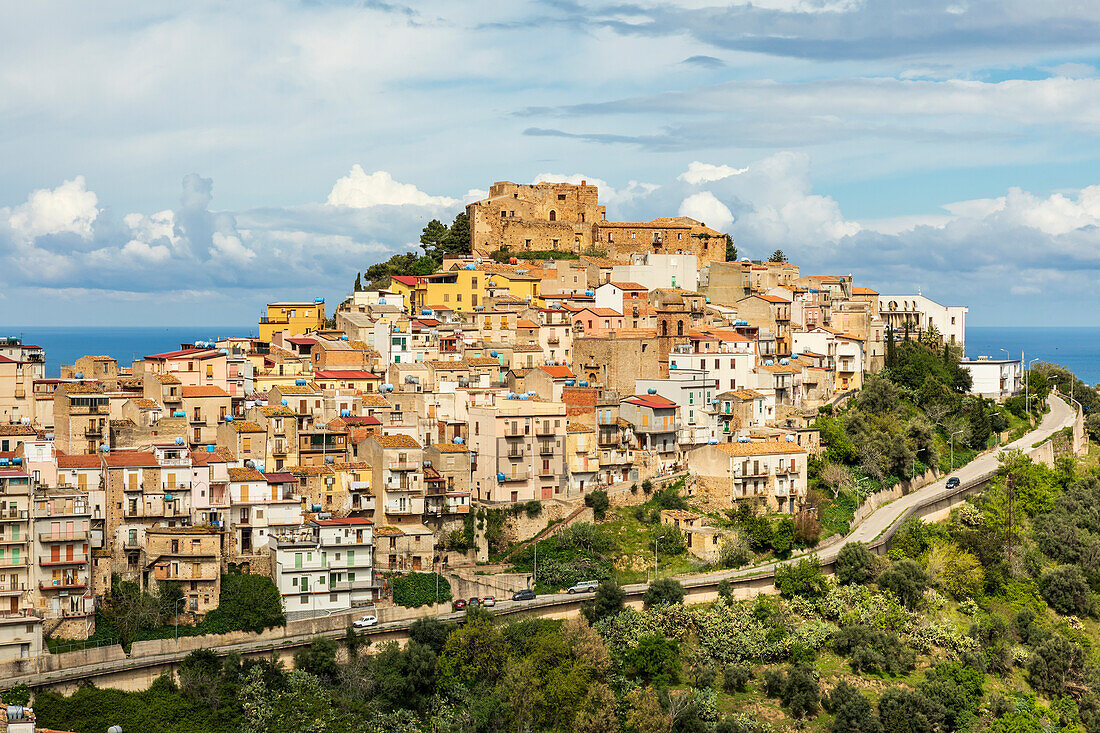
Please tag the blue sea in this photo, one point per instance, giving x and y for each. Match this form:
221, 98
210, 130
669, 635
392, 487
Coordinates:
1076, 348
65, 345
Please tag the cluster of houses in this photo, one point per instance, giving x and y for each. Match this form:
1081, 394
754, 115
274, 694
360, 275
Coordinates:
331, 451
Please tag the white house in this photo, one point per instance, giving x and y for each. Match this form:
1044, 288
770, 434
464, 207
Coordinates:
659, 271
994, 378
693, 391
921, 313
324, 567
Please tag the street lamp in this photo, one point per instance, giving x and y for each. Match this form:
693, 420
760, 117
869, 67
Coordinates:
175, 609
1027, 387
960, 430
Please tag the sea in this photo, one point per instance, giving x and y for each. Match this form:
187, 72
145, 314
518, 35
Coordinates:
1076, 348
64, 345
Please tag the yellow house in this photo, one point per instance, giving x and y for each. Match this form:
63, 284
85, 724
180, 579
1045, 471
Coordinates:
460, 290
516, 282
296, 317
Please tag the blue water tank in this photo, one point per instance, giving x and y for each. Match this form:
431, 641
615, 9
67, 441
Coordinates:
460, 441
531, 393
493, 354
471, 267
345, 413
651, 390
316, 508
299, 382
570, 382
229, 418
282, 401
179, 413
318, 300
500, 477
671, 366
210, 449
179, 441
3, 461
712, 442
79, 375
590, 293
425, 311
344, 337
584, 383
17, 461
168, 497
105, 448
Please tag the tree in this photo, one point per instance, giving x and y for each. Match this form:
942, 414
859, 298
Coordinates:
731, 250
457, 240
907, 580
406, 678
852, 711
956, 572
430, 632
803, 578
908, 711
836, 477
599, 502
958, 688
854, 563
663, 592
646, 714
879, 395
598, 712
777, 256
319, 659
247, 603
358, 282
783, 537
735, 677
801, 692
1056, 664
669, 539
655, 660
609, 601
200, 675
433, 237
1067, 591
352, 642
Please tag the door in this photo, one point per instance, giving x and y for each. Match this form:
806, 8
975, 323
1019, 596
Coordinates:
70, 529
69, 552
55, 529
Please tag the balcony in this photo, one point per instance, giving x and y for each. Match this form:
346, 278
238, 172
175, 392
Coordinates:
513, 431
197, 421
14, 515
131, 543
546, 449
362, 504
15, 540
93, 431
543, 427
547, 471
12, 589
408, 507
398, 465
70, 537
278, 449
359, 485
65, 584
515, 452
169, 488
76, 559
517, 476
11, 562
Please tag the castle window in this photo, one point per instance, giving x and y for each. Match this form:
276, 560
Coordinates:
553, 215
561, 197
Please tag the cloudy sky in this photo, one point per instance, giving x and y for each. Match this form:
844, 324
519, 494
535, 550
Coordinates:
184, 163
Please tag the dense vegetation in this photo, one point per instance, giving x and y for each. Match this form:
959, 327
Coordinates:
419, 589
437, 240
128, 614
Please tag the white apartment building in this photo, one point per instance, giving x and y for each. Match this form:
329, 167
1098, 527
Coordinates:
660, 271
324, 567
694, 392
994, 378
921, 313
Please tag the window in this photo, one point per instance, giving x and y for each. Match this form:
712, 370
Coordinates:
561, 197
553, 215
246, 444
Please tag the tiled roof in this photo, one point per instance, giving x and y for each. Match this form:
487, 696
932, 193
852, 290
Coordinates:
375, 400
482, 361
300, 471
166, 379
245, 474
297, 388
655, 401
346, 374
17, 429
277, 411
204, 391
628, 286
447, 365
146, 404
525, 323
80, 388
762, 448
558, 372
243, 426
772, 298
84, 461
396, 440
129, 459
344, 522
576, 427
450, 448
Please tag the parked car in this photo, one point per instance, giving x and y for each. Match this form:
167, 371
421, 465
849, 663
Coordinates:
459, 604
585, 586
473, 602
488, 601
953, 482
524, 595
364, 622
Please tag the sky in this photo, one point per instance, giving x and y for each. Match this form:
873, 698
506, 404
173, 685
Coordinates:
185, 163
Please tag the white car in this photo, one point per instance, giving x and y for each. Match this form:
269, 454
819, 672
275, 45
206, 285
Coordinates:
488, 601
364, 622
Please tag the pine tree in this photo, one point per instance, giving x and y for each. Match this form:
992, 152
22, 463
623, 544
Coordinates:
358, 282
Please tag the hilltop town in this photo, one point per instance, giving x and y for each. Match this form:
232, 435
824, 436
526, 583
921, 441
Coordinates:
558, 356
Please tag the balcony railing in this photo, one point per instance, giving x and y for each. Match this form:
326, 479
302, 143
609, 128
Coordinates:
398, 465
76, 559
515, 453
351, 585
66, 584
543, 427
359, 485
545, 449
14, 515
70, 537
11, 562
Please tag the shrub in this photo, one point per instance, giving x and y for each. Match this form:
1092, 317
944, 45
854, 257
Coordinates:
803, 578
854, 563
907, 580
599, 502
419, 589
430, 632
783, 537
670, 498
608, 601
319, 659
908, 711
247, 603
533, 508
852, 711
732, 553
647, 487
669, 539
663, 592
703, 675
807, 529
958, 688
801, 693
1066, 590
735, 677
774, 682
655, 659
1055, 664
873, 651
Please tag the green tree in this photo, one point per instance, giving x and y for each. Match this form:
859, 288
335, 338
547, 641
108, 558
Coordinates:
432, 239
405, 678
854, 563
802, 578
663, 592
801, 693
1056, 664
319, 659
907, 580
777, 256
598, 712
430, 632
599, 502
609, 600
783, 537
1067, 591
358, 282
731, 250
908, 711
958, 688
655, 660
247, 603
852, 711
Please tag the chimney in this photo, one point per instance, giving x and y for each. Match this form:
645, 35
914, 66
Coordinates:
584, 182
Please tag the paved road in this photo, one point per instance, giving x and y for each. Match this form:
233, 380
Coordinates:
1061, 415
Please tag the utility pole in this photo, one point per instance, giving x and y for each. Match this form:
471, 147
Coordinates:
1011, 512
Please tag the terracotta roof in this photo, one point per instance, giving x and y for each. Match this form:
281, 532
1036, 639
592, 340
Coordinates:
191, 353
409, 280
80, 388
245, 474
558, 372
243, 426
482, 361
146, 404
746, 394
604, 261
762, 448
204, 391
346, 374
772, 298
85, 461
629, 286
277, 411
450, 448
166, 379
375, 400
129, 459
388, 531
525, 323
300, 471
278, 477
203, 458
354, 466
447, 365
603, 312
396, 440
297, 388
651, 400
576, 427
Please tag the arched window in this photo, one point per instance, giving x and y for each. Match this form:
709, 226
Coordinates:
553, 215
679, 328
664, 328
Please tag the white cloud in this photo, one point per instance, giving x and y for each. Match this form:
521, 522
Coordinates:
230, 248
361, 190
609, 195
69, 208
705, 172
145, 251
705, 207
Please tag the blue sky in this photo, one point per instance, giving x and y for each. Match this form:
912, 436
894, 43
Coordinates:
186, 163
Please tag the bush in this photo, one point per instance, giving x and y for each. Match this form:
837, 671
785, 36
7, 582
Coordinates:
670, 498
908, 711
430, 632
655, 659
783, 537
647, 487
608, 601
807, 529
958, 688
533, 508
419, 589
907, 580
247, 603
663, 592
669, 539
732, 553
1067, 591
599, 502
319, 659
801, 693
774, 682
854, 564
735, 677
873, 651
852, 711
803, 578
1055, 664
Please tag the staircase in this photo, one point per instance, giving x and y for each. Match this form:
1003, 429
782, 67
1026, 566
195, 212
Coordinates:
553, 529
